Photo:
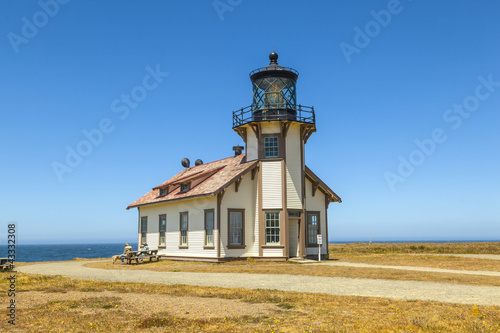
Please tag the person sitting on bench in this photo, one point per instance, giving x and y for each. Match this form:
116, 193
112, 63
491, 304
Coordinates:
126, 250
145, 247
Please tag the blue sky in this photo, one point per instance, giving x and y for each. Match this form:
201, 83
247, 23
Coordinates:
406, 95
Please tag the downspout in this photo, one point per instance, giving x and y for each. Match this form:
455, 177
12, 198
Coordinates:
219, 242
138, 226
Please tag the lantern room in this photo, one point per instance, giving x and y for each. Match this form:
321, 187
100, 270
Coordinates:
274, 96
273, 87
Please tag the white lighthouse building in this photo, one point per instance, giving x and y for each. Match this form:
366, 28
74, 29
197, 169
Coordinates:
263, 204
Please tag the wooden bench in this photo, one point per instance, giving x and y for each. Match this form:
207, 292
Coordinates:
148, 254
5, 264
132, 256
128, 257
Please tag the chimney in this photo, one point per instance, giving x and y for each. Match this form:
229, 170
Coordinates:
238, 150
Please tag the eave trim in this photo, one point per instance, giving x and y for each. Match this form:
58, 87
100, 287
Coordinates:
322, 186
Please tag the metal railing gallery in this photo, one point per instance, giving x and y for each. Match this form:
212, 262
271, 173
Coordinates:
271, 112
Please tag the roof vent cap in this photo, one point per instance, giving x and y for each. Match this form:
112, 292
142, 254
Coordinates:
185, 162
238, 150
198, 162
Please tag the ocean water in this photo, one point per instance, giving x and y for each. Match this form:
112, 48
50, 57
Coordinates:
60, 252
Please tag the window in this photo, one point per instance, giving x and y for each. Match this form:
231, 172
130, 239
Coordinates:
184, 229
144, 229
184, 187
312, 228
271, 147
236, 231
272, 228
163, 191
209, 227
162, 228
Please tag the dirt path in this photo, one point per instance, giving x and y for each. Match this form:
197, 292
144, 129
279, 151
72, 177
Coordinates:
402, 290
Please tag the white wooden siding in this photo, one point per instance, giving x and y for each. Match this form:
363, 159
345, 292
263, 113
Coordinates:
271, 128
293, 168
245, 198
152, 231
272, 252
256, 219
252, 146
316, 203
196, 226
271, 185
293, 189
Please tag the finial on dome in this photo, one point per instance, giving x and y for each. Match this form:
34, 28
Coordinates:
273, 56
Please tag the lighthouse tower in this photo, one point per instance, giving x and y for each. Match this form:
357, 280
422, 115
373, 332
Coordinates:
275, 130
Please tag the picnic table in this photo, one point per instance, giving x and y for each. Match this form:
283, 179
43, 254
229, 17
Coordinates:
141, 255
5, 264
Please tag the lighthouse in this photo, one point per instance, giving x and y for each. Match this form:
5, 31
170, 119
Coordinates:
264, 203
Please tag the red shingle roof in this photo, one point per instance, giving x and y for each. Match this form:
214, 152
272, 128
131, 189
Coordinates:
219, 175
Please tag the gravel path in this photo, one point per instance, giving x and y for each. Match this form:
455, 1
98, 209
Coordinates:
401, 290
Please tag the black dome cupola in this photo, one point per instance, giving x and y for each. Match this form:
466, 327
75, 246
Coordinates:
273, 56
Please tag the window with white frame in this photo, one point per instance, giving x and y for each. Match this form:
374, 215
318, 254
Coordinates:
184, 229
209, 227
272, 228
271, 147
144, 229
162, 228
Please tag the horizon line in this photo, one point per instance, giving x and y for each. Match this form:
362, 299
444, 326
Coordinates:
329, 241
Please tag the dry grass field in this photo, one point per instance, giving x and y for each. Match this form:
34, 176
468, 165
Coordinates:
423, 260
60, 304
415, 248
